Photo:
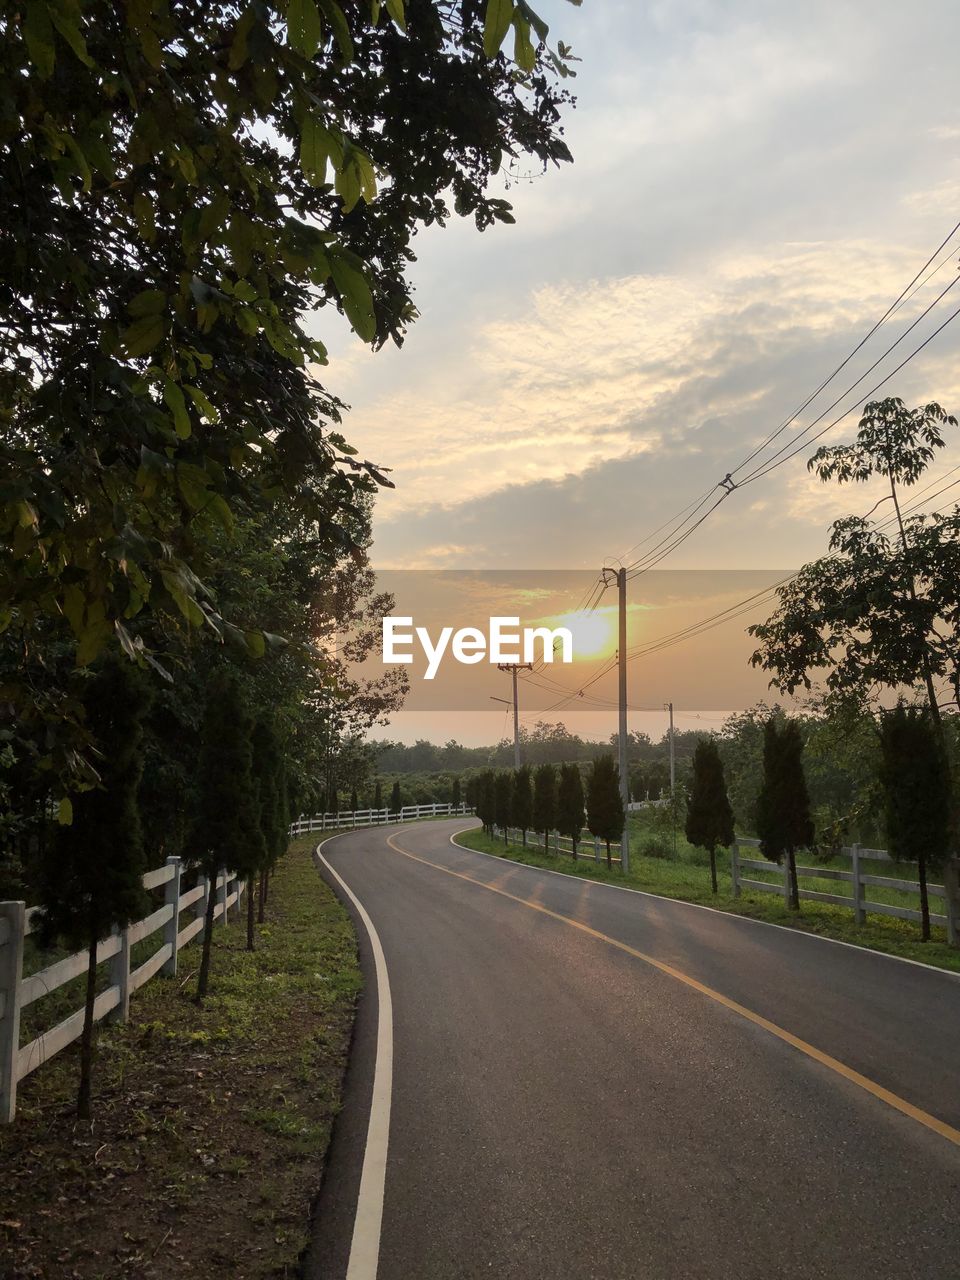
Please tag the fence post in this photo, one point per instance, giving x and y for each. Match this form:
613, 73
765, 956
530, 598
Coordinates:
171, 929
201, 907
735, 868
13, 919
596, 849
951, 882
223, 899
858, 895
119, 973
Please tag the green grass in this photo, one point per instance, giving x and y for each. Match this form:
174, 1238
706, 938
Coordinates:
210, 1125
686, 877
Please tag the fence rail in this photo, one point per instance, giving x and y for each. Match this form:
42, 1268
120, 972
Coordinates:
856, 878
374, 817
18, 921
587, 847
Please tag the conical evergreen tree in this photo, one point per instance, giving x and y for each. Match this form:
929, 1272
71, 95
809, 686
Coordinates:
784, 824
544, 814
605, 815
455, 797
378, 796
396, 800
226, 831
521, 804
91, 876
916, 782
570, 805
709, 815
503, 801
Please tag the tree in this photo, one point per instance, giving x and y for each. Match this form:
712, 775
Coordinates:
916, 785
637, 785
226, 829
92, 876
544, 813
503, 801
877, 613
783, 807
354, 801
522, 801
270, 786
165, 243
570, 805
709, 815
378, 796
455, 796
396, 800
485, 803
605, 813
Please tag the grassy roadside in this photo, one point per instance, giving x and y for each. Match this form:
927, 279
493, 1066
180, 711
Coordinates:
687, 879
210, 1125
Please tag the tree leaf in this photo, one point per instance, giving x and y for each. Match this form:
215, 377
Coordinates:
496, 24
395, 10
304, 28
524, 54
148, 303
143, 335
256, 645
71, 33
341, 31
173, 398
355, 296
65, 811
202, 403
193, 484
317, 145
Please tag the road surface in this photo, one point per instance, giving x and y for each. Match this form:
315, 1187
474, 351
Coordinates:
585, 1082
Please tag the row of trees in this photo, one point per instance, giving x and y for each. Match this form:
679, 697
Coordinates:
182, 190
547, 799
915, 787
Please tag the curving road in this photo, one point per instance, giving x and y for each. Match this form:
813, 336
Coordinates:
594, 1084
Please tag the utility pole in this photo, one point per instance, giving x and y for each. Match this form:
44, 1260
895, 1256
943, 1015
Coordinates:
673, 756
513, 668
621, 579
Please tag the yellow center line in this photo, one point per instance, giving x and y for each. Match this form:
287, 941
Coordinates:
878, 1091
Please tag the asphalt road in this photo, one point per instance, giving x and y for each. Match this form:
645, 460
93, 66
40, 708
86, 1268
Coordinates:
562, 1108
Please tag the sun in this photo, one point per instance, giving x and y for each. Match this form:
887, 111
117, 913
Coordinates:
592, 631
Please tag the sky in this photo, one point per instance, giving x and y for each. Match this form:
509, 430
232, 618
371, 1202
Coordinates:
754, 183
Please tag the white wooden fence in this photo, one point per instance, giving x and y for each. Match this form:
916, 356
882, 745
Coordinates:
587, 847
17, 922
374, 817
856, 878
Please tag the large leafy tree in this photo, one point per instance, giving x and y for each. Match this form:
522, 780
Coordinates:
181, 186
784, 824
709, 815
916, 785
881, 611
91, 875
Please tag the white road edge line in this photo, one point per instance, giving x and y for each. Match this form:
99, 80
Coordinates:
700, 906
365, 1244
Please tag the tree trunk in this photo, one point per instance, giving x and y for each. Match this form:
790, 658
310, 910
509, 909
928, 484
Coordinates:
266, 886
250, 912
609, 858
86, 1037
203, 981
794, 886
573, 848
924, 900
524, 837
262, 896
504, 837
713, 868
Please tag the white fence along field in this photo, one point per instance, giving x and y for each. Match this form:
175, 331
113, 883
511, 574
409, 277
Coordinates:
17, 922
374, 817
858, 881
